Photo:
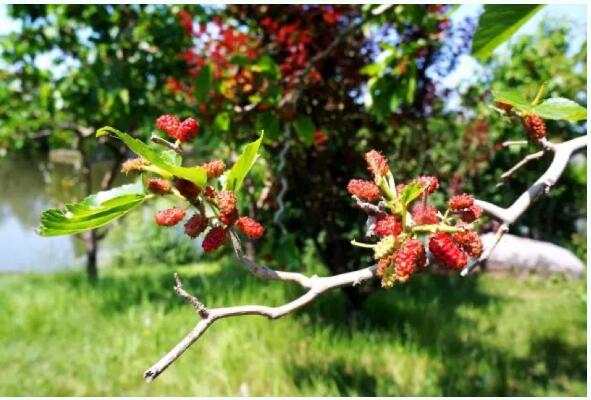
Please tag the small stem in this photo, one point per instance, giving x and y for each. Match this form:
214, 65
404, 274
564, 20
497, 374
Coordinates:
436, 228
163, 142
359, 244
540, 93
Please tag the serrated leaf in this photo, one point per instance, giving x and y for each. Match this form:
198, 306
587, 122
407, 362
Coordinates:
514, 98
560, 108
304, 126
197, 175
497, 24
411, 192
93, 212
235, 176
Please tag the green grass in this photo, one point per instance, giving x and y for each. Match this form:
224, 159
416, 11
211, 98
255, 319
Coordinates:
435, 336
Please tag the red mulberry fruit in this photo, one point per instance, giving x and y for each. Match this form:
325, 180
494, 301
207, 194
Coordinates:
469, 242
250, 227
209, 192
214, 168
461, 202
195, 225
430, 182
168, 124
214, 239
410, 258
187, 130
226, 202
170, 217
376, 162
365, 190
229, 219
159, 186
471, 214
535, 126
387, 225
447, 252
424, 214
187, 188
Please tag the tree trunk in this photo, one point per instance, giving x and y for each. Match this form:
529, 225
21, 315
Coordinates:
91, 242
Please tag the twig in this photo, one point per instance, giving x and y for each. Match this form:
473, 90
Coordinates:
525, 160
199, 307
369, 208
514, 143
504, 228
163, 142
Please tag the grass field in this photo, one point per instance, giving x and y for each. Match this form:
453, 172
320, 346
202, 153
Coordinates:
484, 335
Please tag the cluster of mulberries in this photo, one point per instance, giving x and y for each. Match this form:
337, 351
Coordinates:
401, 251
183, 131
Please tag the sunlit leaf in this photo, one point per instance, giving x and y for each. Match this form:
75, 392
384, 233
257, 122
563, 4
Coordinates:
244, 163
411, 192
561, 109
197, 175
514, 98
497, 24
93, 212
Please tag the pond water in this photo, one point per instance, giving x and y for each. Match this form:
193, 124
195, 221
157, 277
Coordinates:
28, 188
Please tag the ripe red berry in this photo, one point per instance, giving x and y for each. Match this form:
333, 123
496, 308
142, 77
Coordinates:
447, 252
214, 239
410, 258
195, 225
535, 126
376, 163
209, 192
424, 214
169, 217
187, 188
187, 130
159, 186
250, 227
431, 183
226, 202
471, 214
229, 219
214, 168
365, 190
387, 225
168, 124
469, 241
460, 202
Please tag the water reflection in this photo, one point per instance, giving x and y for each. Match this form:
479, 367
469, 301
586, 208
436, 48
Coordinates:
29, 187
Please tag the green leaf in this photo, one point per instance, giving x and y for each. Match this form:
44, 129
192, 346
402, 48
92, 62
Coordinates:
236, 175
222, 121
203, 83
411, 192
497, 24
305, 128
93, 212
268, 122
172, 157
197, 175
562, 109
514, 98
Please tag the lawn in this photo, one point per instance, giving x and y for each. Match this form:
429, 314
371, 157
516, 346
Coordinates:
436, 335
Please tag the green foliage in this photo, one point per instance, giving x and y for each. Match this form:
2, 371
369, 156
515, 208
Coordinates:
305, 128
92, 212
436, 336
556, 108
197, 175
235, 176
497, 24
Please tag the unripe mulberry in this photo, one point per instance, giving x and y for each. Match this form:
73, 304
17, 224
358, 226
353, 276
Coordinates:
133, 165
168, 124
471, 214
388, 225
195, 225
376, 163
447, 252
250, 227
384, 247
386, 271
424, 214
460, 202
214, 239
226, 202
214, 168
469, 241
410, 258
187, 130
365, 190
187, 188
535, 126
159, 186
170, 217
431, 183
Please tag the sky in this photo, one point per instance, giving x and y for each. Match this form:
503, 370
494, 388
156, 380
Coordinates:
468, 68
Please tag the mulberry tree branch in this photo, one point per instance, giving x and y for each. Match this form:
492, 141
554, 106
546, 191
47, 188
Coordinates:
562, 154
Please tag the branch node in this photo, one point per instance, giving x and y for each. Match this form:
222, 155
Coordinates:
163, 142
199, 307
